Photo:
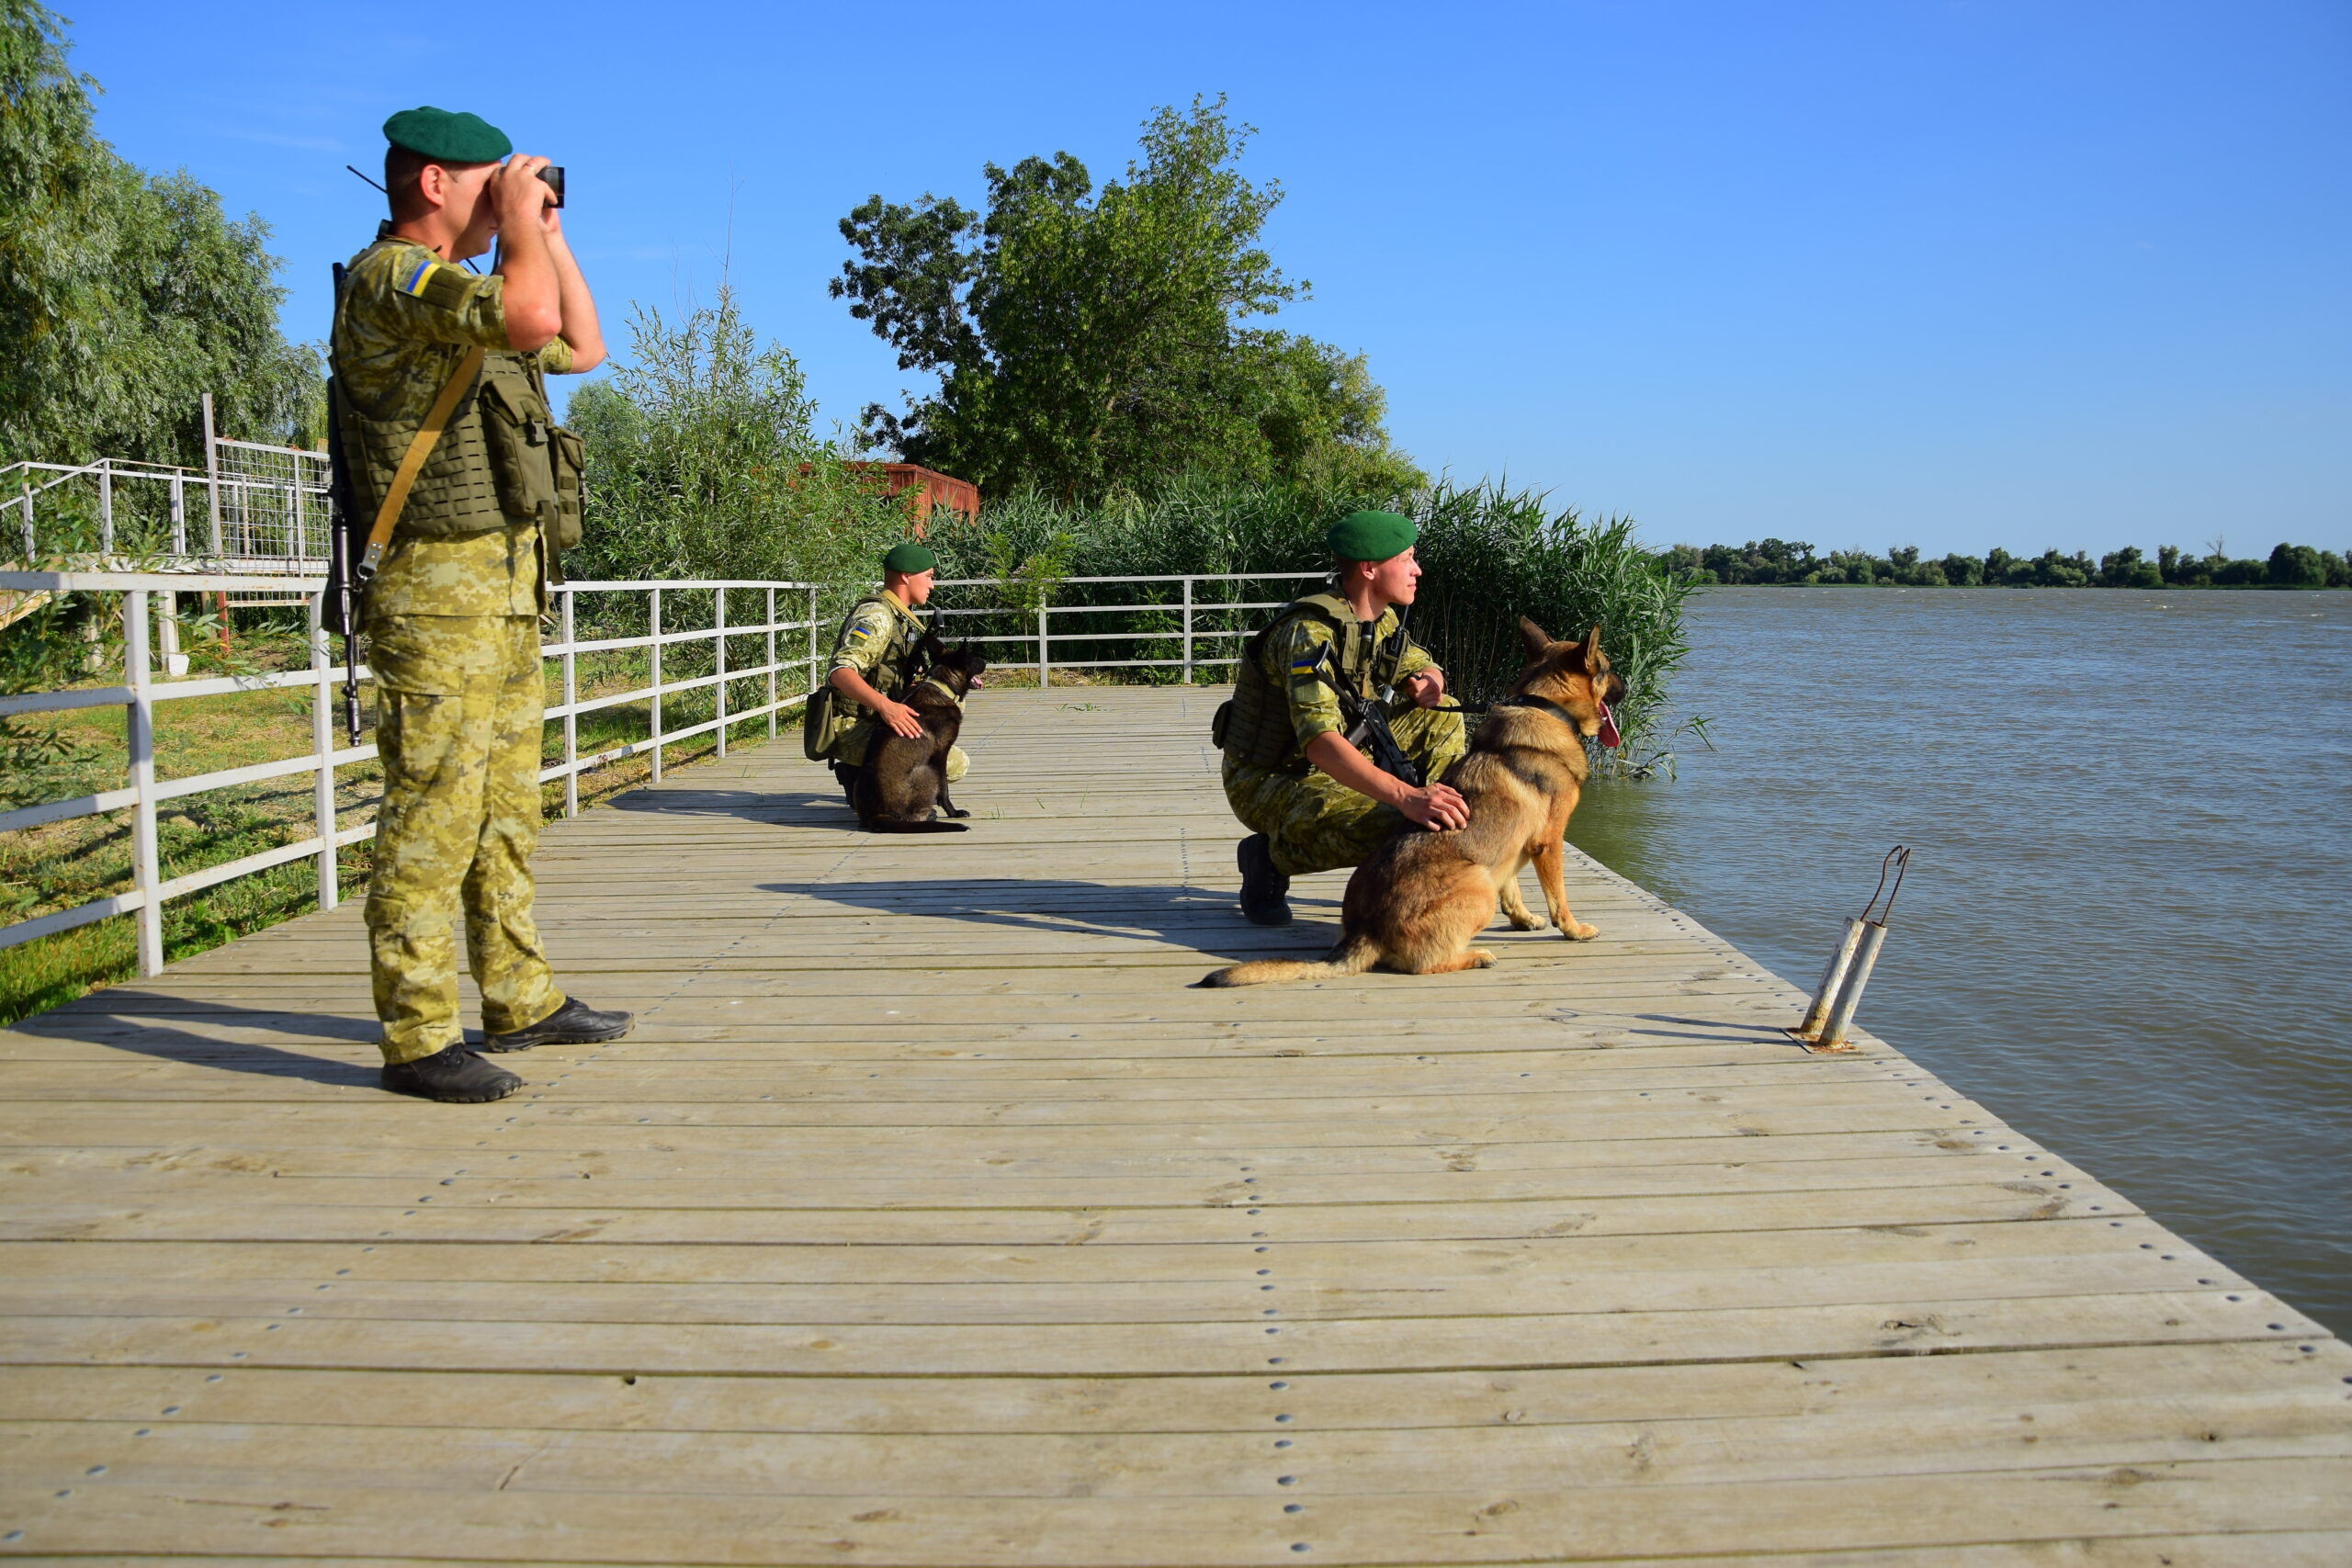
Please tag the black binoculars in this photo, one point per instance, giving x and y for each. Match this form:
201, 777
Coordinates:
553, 174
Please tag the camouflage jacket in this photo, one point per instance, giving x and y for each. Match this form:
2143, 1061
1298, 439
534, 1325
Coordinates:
404, 324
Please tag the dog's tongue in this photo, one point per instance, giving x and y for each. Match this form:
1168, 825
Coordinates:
1609, 739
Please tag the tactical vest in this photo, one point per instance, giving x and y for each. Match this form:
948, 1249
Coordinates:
828, 715
501, 461
1255, 725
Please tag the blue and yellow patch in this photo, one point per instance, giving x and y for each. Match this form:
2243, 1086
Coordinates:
414, 283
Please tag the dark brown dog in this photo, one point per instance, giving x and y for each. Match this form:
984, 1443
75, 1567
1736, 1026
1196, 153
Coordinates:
1417, 902
905, 777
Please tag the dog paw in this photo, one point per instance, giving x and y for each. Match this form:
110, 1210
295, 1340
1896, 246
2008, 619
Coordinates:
1521, 920
1480, 958
952, 812
1576, 930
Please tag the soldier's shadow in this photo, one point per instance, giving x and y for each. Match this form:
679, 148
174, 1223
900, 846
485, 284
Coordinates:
1200, 919
160, 1026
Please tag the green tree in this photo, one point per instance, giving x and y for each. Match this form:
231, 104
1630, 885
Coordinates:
123, 296
1087, 341
2297, 566
703, 461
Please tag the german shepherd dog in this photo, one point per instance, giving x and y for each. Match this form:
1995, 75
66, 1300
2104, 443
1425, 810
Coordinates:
1417, 902
904, 778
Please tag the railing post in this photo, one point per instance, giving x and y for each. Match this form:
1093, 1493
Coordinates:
771, 663
812, 631
570, 699
139, 726
179, 515
212, 476
323, 745
719, 625
1188, 631
106, 510
1043, 667
302, 550
657, 685
30, 557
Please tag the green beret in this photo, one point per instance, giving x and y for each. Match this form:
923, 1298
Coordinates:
448, 138
1372, 536
909, 556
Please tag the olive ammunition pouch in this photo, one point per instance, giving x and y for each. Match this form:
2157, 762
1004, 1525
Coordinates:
1255, 725
828, 715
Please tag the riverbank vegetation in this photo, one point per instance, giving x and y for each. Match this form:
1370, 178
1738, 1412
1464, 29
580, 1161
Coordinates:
1779, 561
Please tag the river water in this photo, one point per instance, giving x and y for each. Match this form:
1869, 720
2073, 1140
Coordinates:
2127, 927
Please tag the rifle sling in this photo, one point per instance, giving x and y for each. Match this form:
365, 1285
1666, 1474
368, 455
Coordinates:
419, 447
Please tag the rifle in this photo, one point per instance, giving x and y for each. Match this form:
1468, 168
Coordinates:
1369, 721
345, 583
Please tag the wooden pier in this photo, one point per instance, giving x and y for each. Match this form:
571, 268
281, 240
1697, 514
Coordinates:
928, 1217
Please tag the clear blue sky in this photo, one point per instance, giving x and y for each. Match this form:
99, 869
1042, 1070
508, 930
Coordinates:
1960, 273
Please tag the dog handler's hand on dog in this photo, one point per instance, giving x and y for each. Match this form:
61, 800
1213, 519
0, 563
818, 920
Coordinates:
903, 720
1431, 806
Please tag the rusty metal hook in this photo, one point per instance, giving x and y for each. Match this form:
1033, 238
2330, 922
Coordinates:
1899, 860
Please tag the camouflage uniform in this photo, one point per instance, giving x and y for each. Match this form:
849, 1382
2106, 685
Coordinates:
1312, 821
452, 622
876, 641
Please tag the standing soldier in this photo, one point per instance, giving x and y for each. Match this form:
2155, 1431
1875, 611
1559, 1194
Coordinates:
1312, 694
447, 436
873, 665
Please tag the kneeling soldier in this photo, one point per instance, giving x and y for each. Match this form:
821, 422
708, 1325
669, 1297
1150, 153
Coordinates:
874, 663
1331, 686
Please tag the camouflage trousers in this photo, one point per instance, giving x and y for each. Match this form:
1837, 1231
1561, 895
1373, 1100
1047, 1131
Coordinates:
457, 700
850, 750
1313, 822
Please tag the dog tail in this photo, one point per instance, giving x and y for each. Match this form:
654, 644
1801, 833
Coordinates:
1353, 956
884, 825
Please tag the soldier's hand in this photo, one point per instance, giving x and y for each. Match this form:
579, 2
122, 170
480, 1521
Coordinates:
902, 719
1426, 687
519, 195
1435, 806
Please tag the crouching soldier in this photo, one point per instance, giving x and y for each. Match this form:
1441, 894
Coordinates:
874, 663
1334, 737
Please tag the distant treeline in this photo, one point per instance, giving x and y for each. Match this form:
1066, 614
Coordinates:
1777, 561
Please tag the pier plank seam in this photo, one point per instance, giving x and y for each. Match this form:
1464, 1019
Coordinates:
929, 1218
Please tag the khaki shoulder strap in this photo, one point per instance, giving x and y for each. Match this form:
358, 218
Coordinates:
419, 447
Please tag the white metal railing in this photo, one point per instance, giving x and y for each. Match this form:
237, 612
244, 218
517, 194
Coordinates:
140, 690
1192, 607
1201, 597
251, 508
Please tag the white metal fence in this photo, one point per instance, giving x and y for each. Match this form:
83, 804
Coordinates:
1194, 642
251, 508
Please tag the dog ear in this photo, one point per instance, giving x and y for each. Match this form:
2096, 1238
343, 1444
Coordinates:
928, 648
1537, 639
1591, 651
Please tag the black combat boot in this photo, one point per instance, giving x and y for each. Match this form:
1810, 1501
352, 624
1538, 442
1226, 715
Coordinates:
573, 1024
1265, 892
456, 1076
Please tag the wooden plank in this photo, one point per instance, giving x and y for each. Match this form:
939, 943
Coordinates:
923, 1220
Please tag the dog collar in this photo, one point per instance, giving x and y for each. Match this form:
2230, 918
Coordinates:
1543, 705
942, 689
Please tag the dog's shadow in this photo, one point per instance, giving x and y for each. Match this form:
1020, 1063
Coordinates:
123, 1019
785, 808
1196, 918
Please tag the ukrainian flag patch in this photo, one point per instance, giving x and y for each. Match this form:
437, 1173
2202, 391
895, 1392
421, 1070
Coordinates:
1304, 666
413, 282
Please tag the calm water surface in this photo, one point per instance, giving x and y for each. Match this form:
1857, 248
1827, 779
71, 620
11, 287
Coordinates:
2128, 927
